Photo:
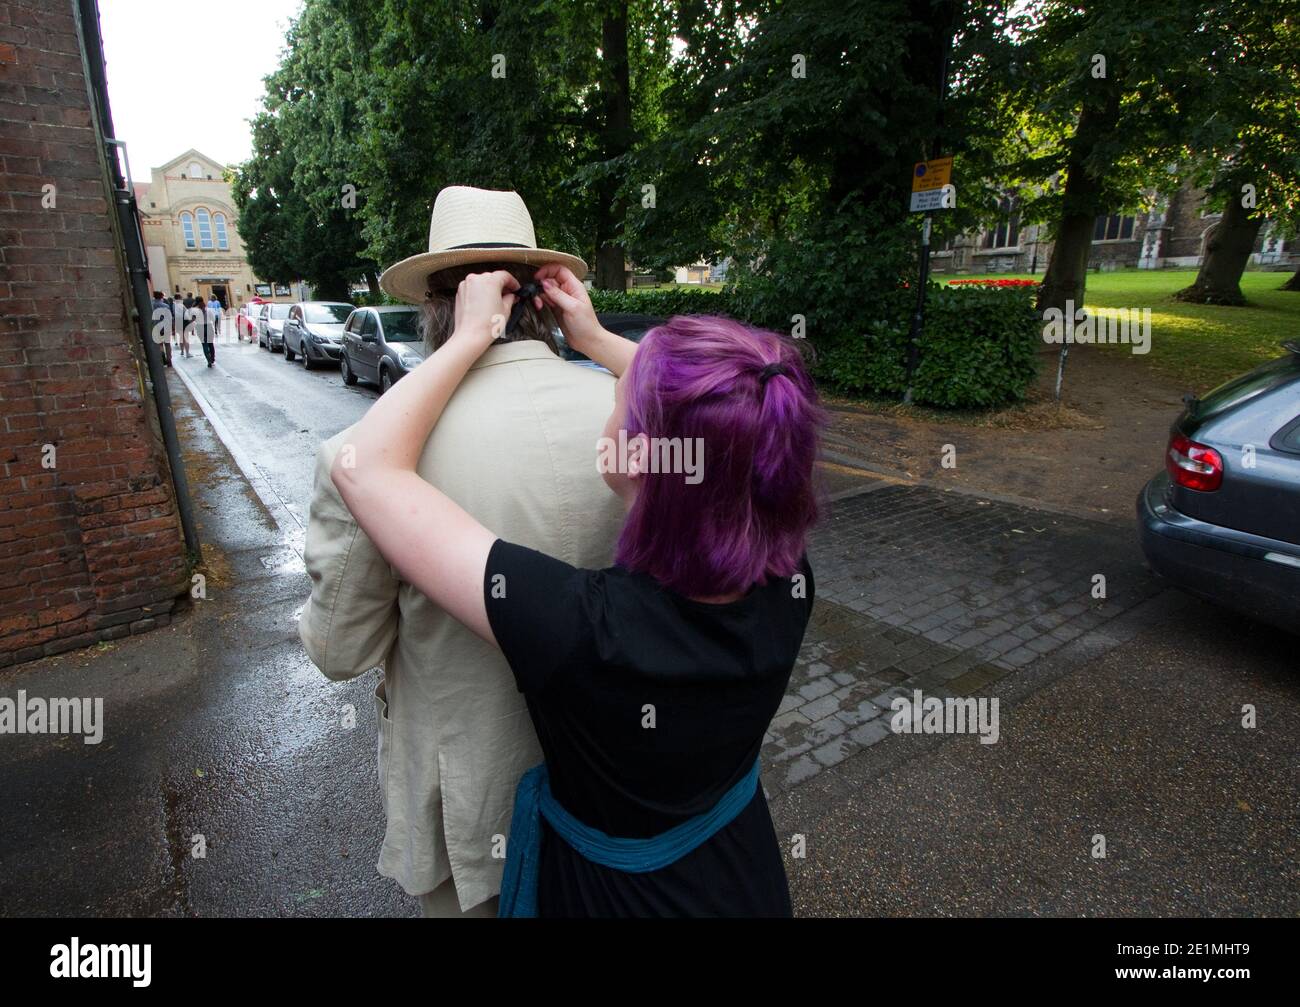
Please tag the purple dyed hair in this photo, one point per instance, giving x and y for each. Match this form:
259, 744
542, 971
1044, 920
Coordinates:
748, 519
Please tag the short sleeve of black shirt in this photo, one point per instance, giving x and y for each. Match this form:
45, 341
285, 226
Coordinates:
540, 610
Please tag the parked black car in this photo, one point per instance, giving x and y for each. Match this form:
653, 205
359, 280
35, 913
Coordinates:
381, 345
1223, 520
314, 330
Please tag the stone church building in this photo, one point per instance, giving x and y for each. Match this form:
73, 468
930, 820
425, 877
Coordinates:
1171, 235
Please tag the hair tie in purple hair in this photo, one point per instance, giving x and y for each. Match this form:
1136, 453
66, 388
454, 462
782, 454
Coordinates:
771, 371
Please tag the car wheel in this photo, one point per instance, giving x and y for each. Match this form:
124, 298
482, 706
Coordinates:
385, 380
288, 353
306, 356
348, 377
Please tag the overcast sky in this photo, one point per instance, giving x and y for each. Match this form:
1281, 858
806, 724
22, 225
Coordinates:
185, 73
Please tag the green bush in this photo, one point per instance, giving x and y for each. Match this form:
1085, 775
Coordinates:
978, 350
665, 303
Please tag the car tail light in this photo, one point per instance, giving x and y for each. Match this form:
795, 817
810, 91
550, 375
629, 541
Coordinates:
1193, 465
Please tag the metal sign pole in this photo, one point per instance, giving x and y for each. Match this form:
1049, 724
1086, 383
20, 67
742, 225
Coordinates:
918, 315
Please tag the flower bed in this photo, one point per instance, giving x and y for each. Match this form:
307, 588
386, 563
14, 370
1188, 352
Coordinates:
996, 283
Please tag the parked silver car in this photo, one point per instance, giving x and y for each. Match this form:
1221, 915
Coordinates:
1223, 520
270, 326
314, 331
381, 344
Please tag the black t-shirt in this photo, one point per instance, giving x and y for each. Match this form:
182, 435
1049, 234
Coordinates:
649, 707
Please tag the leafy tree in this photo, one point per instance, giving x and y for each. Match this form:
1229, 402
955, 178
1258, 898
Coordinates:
792, 133
1247, 153
494, 95
1106, 117
293, 217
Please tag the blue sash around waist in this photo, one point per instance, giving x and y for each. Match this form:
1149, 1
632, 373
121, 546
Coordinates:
533, 800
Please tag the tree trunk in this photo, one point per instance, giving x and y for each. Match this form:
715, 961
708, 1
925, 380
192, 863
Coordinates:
1066, 278
616, 104
1226, 253
372, 281
1293, 283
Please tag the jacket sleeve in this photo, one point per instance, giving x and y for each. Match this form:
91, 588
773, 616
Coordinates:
350, 621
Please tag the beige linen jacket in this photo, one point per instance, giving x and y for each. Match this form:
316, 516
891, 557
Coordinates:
516, 447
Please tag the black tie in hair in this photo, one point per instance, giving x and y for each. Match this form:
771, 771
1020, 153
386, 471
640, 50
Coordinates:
771, 371
523, 297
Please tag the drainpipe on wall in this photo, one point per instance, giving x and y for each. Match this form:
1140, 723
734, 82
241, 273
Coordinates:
86, 13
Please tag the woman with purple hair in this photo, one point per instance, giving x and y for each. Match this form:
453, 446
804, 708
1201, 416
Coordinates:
650, 683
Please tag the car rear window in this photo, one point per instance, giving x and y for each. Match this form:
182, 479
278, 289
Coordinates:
1290, 440
401, 326
1238, 390
327, 314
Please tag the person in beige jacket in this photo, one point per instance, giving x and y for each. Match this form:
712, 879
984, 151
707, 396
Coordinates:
516, 448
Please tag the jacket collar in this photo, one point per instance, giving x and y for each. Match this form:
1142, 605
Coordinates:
506, 353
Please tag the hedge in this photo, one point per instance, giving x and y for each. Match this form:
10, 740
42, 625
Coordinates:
979, 348
666, 302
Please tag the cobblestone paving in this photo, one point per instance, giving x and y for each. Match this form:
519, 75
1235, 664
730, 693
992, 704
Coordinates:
918, 588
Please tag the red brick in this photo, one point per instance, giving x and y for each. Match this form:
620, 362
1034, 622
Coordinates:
87, 548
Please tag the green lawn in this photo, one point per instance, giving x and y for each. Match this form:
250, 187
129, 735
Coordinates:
1197, 345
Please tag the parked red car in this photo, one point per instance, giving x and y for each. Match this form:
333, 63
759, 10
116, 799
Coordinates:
246, 320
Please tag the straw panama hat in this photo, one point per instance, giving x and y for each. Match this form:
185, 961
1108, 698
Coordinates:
473, 225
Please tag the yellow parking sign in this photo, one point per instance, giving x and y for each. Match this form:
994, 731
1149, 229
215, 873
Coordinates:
927, 175
930, 181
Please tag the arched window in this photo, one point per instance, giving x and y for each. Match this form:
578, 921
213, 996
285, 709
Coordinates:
219, 219
187, 225
195, 170
205, 228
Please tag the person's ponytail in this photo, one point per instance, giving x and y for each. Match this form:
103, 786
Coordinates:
785, 446
438, 312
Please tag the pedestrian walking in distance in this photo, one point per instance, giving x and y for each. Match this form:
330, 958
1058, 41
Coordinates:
206, 327
163, 320
182, 336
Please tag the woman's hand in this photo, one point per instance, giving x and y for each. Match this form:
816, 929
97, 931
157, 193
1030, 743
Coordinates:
483, 302
569, 299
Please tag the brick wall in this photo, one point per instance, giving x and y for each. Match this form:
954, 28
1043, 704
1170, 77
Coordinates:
90, 548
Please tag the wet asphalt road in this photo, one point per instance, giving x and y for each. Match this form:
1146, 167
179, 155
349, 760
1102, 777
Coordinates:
278, 412
220, 737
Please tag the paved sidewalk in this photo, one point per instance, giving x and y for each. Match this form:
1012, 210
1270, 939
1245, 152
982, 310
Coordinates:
942, 591
216, 726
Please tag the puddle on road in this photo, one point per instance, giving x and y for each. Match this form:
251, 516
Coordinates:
284, 560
